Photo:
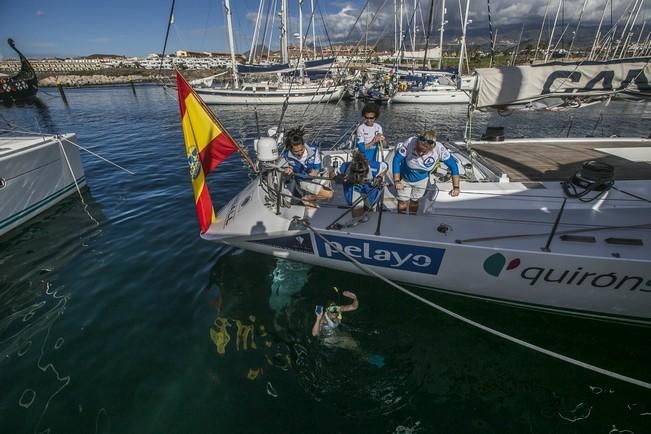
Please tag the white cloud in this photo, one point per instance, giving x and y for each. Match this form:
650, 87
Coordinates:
40, 13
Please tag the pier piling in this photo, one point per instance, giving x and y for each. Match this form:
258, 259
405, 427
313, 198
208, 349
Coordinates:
63, 94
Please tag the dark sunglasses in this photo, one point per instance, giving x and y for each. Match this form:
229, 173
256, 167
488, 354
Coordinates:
425, 140
370, 118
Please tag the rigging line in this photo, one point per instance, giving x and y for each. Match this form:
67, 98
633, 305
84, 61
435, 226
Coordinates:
291, 83
72, 173
476, 324
519, 197
346, 65
631, 194
566, 232
356, 50
167, 33
80, 147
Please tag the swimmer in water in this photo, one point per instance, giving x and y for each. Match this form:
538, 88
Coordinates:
329, 319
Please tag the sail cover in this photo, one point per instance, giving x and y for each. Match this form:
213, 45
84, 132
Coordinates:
260, 69
513, 85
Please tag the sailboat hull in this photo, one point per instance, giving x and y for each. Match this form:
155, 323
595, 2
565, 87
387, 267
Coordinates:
431, 97
36, 175
498, 241
269, 97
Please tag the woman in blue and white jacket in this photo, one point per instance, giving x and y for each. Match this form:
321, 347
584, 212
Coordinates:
412, 164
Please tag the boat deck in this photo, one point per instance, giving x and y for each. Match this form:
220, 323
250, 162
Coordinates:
549, 160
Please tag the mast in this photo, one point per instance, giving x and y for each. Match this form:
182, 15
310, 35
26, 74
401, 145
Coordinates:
578, 25
597, 36
395, 26
283, 31
551, 36
630, 31
490, 64
542, 27
429, 30
639, 38
624, 29
229, 24
400, 48
300, 27
255, 32
463, 37
271, 32
313, 31
413, 28
443, 23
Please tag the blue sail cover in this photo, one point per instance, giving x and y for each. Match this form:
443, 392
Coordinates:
311, 64
251, 69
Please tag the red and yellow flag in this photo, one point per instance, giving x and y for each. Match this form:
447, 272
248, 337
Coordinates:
207, 144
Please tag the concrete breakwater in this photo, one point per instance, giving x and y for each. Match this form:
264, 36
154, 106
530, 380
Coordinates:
97, 80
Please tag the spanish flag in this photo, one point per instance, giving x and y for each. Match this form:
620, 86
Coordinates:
207, 144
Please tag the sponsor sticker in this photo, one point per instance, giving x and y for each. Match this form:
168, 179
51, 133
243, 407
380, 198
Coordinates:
402, 257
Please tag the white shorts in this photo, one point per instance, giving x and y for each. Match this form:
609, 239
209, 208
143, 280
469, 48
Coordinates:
412, 190
312, 187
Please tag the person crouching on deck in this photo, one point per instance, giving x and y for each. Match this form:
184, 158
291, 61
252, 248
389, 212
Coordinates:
304, 164
412, 164
362, 179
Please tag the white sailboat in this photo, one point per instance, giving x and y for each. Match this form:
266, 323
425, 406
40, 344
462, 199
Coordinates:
514, 235
439, 87
295, 91
36, 173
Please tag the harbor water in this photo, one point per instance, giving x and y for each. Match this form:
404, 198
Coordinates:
116, 317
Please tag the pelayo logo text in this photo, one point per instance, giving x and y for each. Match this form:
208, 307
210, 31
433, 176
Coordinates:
418, 259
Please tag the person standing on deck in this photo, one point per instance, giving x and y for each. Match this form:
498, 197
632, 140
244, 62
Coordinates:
412, 164
369, 134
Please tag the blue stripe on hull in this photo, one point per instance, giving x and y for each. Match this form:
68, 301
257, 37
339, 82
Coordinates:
41, 205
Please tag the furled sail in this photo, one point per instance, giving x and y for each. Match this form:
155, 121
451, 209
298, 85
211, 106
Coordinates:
526, 84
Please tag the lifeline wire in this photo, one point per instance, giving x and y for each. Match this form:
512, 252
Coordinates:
497, 333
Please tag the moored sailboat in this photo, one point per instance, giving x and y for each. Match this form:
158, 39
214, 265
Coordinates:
556, 234
292, 91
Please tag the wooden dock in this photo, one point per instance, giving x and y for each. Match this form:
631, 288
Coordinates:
548, 160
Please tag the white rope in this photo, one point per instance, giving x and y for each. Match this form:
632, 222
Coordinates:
487, 329
74, 178
59, 138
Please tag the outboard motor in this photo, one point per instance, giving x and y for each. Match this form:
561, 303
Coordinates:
593, 176
270, 168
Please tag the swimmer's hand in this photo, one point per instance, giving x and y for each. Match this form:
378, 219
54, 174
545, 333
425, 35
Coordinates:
350, 295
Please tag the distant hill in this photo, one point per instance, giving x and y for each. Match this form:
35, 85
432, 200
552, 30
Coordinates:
105, 56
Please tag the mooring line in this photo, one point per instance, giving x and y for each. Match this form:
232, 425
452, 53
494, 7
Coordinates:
72, 173
480, 326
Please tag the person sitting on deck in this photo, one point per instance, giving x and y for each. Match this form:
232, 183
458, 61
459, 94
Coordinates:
304, 164
412, 164
369, 134
362, 179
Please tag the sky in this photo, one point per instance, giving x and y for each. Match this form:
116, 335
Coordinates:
69, 28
